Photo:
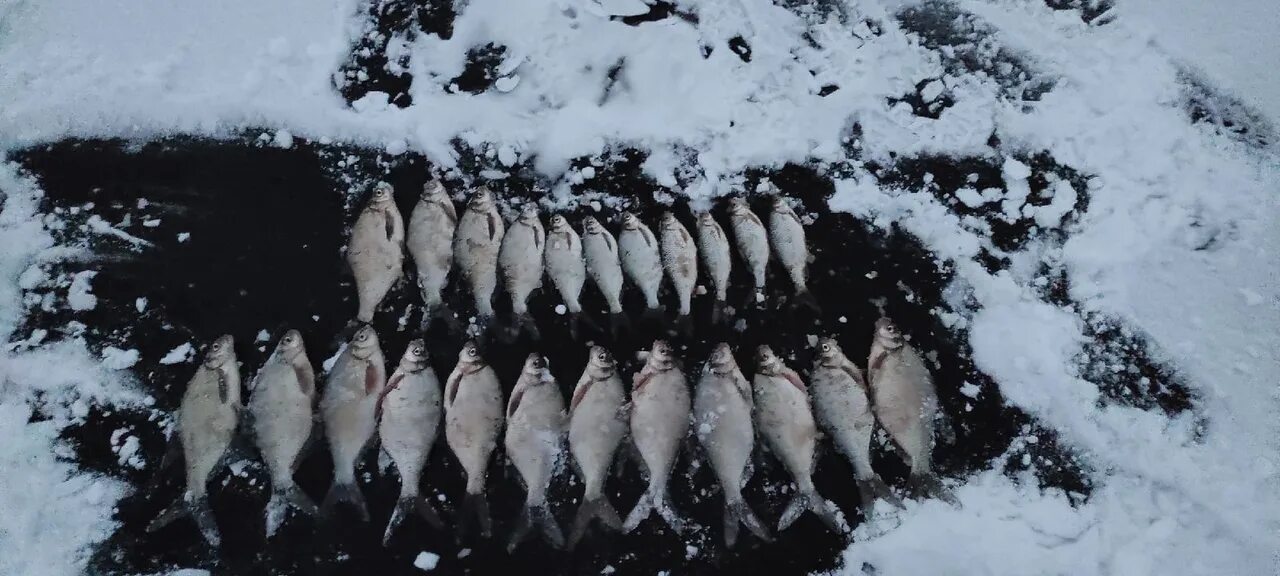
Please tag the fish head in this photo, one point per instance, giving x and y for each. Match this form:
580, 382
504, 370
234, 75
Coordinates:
290, 345
669, 221
592, 226
766, 361
434, 191
887, 333
220, 352
661, 355
470, 354
738, 205
722, 357
601, 362
705, 219
529, 214
481, 199
780, 205
415, 356
364, 342
537, 367
382, 195
829, 352
630, 221
559, 223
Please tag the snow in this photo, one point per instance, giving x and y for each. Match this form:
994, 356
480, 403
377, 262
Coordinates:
182, 353
117, 359
80, 294
426, 561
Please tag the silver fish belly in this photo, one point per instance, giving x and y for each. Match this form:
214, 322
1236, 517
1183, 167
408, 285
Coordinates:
660, 416
349, 406
752, 240
713, 245
597, 424
564, 263
410, 408
680, 259
430, 242
521, 259
534, 443
376, 251
641, 260
787, 235
281, 406
476, 243
600, 249
473, 420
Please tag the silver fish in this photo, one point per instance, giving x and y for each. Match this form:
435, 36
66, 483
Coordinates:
282, 409
752, 240
565, 266
601, 252
475, 248
206, 424
713, 245
376, 252
473, 418
785, 420
906, 405
641, 260
722, 409
521, 263
680, 259
349, 405
660, 416
534, 442
597, 424
408, 425
430, 243
840, 402
787, 235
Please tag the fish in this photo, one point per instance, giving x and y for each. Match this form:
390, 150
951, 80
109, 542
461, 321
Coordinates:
430, 243
282, 409
680, 259
722, 407
567, 269
839, 396
206, 424
713, 245
475, 248
641, 261
906, 406
752, 240
521, 263
597, 425
409, 420
660, 417
376, 250
473, 418
534, 442
786, 232
785, 420
601, 252
349, 405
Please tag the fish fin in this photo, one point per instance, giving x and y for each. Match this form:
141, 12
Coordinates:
805, 299
306, 378
389, 226
737, 512
407, 506
619, 325
382, 396
540, 516
812, 502
475, 510
930, 486
853, 372
598, 508
874, 364
451, 387
344, 493
370, 378
314, 440
873, 490
643, 508
224, 391
199, 512
580, 392
283, 498
514, 402
794, 379
653, 501
491, 218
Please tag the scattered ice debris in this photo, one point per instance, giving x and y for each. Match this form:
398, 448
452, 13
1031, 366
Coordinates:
426, 561
463, 553
812, 339
589, 172
283, 139
151, 223
397, 147
32, 277
140, 304
263, 336
117, 359
506, 154
970, 389
560, 309
178, 355
100, 226
932, 91
507, 84
844, 320
126, 448
184, 236
80, 295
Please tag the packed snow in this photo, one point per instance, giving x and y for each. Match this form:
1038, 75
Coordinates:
1178, 239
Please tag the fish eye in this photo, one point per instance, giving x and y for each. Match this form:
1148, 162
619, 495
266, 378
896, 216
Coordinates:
418, 351
826, 347
539, 363
471, 351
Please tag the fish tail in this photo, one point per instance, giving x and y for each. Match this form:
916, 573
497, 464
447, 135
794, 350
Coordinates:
343, 492
199, 512
737, 512
642, 510
595, 508
653, 500
536, 515
475, 509
873, 490
928, 485
717, 311
525, 324
284, 496
805, 299
809, 500
406, 506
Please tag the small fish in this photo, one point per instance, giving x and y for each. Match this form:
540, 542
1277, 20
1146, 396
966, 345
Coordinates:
534, 441
713, 245
521, 263
785, 420
473, 418
567, 269
787, 234
349, 405
722, 409
409, 422
475, 248
660, 415
601, 252
282, 409
641, 260
840, 402
597, 424
376, 251
680, 259
906, 405
430, 243
206, 424
753, 242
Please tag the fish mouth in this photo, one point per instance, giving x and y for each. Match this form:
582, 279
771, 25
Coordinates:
764, 355
433, 187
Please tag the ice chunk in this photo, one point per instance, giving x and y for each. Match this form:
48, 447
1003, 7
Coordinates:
932, 90
507, 83
178, 355
117, 359
426, 561
283, 139
140, 304
80, 296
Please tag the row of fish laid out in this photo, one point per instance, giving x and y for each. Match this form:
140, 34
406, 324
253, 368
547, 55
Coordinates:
726, 412
486, 250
